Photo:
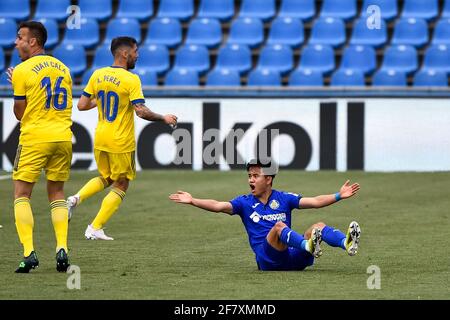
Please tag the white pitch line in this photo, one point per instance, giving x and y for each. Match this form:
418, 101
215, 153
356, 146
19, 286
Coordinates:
5, 177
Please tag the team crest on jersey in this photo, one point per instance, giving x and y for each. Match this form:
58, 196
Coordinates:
274, 204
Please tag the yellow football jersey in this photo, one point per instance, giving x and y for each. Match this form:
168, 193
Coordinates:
116, 90
46, 85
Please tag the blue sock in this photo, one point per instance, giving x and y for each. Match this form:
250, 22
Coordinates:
293, 239
333, 237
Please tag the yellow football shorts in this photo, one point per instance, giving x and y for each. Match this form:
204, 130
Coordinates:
53, 157
115, 165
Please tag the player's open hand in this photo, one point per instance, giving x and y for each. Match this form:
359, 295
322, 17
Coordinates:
9, 73
181, 197
171, 120
348, 190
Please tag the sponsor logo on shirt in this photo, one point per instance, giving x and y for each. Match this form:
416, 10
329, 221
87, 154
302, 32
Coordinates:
256, 217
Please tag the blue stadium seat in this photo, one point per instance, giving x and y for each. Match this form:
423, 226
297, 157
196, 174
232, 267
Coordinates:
343, 9
4, 79
216, 9
223, 77
87, 36
15, 9
286, 31
388, 8
8, 32
389, 78
122, 27
318, 58
442, 32
148, 78
100, 10
234, 57
348, 77
15, 59
52, 9
86, 76
73, 57
178, 9
164, 31
430, 78
410, 31
361, 58
103, 57
154, 58
263, 78
264, 10
52, 32
297, 9
276, 57
437, 57
205, 31
330, 31
192, 57
248, 31
362, 35
446, 9
305, 78
400, 58
181, 77
135, 9
425, 9
2, 59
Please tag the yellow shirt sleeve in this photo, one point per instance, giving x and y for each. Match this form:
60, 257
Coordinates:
19, 84
136, 95
89, 89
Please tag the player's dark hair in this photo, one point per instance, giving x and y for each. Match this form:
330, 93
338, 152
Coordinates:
37, 29
118, 42
269, 167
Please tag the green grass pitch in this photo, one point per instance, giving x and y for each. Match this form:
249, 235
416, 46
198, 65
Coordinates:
167, 251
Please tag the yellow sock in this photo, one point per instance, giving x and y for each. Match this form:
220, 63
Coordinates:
24, 224
93, 186
110, 205
60, 220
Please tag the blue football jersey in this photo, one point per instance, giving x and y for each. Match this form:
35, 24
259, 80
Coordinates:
258, 218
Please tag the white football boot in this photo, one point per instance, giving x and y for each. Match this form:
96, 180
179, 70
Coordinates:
72, 202
352, 238
314, 243
92, 234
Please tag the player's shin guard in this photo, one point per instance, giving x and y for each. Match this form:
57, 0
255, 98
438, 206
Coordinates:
60, 222
333, 237
24, 224
292, 238
109, 206
92, 187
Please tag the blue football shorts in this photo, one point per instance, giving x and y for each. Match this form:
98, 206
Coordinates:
270, 259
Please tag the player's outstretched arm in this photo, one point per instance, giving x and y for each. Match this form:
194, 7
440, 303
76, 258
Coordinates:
345, 192
143, 112
206, 204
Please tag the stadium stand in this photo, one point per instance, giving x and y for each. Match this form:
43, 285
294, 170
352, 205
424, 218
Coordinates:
347, 77
264, 78
135, 9
324, 39
15, 9
2, 59
98, 9
216, 9
305, 78
223, 77
52, 32
181, 77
